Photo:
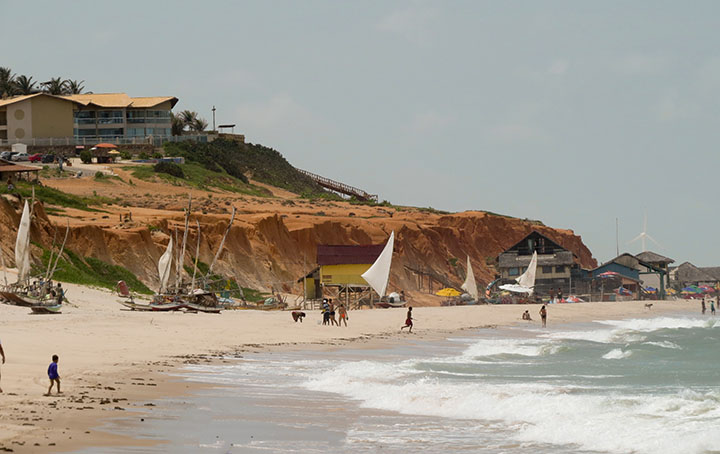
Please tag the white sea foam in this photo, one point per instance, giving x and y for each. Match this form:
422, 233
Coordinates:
617, 353
521, 347
665, 344
540, 412
658, 323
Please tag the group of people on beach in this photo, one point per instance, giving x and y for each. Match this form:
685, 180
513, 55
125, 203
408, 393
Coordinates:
556, 296
328, 313
52, 372
543, 316
703, 306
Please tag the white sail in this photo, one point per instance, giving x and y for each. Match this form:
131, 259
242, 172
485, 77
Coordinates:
526, 281
164, 266
22, 245
378, 274
469, 285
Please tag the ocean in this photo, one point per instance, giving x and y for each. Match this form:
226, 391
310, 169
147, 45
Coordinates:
614, 386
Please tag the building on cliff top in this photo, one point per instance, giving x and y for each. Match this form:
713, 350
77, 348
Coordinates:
339, 272
42, 119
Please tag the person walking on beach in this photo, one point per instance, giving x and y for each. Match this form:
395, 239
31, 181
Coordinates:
408, 321
543, 316
333, 321
53, 375
552, 295
2, 352
702, 305
342, 312
712, 307
559, 295
326, 312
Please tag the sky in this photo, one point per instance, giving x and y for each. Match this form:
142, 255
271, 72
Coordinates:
572, 113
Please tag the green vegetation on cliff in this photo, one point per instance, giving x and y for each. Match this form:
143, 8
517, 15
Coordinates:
52, 196
197, 176
91, 272
238, 159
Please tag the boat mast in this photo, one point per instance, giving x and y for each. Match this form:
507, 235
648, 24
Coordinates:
197, 253
184, 242
222, 243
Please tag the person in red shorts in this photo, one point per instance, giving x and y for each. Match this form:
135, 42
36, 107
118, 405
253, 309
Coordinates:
408, 321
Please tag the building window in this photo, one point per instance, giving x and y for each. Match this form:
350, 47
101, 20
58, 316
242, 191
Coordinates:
111, 132
547, 269
560, 269
513, 272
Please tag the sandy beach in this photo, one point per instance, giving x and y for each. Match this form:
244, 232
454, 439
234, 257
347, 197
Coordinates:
114, 361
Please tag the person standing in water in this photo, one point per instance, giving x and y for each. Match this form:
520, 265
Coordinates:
702, 305
712, 307
408, 321
543, 316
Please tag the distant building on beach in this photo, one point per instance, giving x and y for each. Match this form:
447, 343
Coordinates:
658, 261
555, 265
633, 273
339, 271
688, 274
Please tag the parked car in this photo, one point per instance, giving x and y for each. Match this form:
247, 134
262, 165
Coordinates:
37, 157
6, 155
48, 158
20, 157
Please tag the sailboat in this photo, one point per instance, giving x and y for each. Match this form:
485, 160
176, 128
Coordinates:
470, 286
526, 281
164, 266
38, 297
378, 275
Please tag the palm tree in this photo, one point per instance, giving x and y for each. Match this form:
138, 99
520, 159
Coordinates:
73, 87
7, 82
198, 125
188, 117
176, 124
24, 85
54, 86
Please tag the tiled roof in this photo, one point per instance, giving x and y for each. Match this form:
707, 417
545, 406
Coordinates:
119, 100
652, 257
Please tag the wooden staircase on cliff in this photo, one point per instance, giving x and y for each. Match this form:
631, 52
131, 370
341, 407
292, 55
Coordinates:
342, 188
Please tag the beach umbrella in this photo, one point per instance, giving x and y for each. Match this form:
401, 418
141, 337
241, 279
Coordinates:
671, 291
650, 289
447, 291
105, 145
608, 274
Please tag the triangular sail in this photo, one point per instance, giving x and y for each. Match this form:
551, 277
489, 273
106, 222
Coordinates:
527, 279
22, 245
378, 274
165, 265
469, 285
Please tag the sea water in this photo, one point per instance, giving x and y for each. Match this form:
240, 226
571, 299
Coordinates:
632, 386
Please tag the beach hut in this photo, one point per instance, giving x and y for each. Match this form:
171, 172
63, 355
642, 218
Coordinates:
339, 272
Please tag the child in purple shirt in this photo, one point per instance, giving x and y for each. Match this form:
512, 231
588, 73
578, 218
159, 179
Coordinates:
53, 375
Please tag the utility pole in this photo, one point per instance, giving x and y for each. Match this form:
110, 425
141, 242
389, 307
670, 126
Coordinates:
213, 111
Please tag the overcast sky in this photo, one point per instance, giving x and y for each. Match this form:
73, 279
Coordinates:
573, 113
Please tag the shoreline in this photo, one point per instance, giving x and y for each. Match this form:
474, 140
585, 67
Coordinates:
101, 382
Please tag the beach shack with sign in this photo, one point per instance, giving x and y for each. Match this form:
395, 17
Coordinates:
339, 270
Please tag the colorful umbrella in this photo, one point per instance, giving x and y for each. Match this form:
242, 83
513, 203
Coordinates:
608, 274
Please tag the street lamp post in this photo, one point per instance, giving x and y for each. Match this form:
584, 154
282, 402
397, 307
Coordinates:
213, 111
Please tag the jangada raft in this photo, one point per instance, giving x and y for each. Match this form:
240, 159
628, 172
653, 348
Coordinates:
40, 296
